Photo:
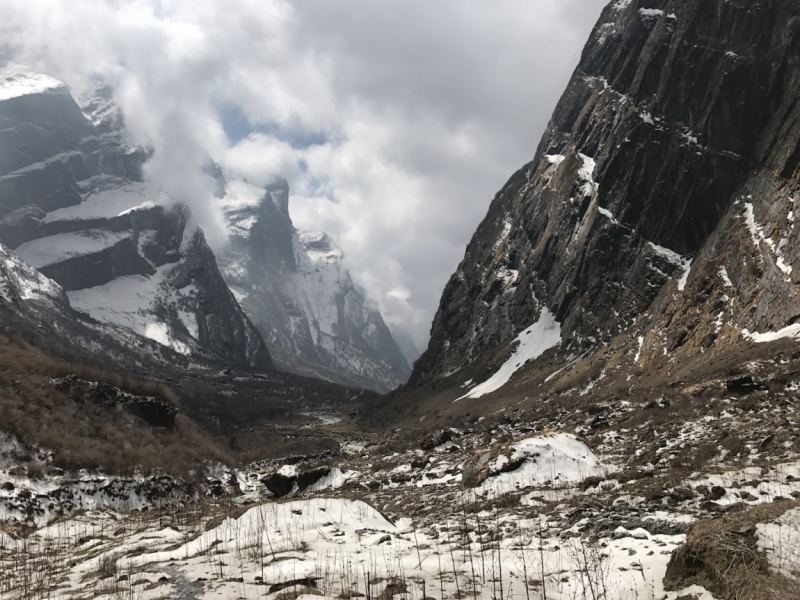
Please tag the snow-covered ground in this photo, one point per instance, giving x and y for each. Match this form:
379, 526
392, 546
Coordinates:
330, 547
780, 540
359, 529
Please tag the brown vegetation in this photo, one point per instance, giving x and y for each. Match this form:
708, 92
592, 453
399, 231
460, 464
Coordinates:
85, 434
722, 555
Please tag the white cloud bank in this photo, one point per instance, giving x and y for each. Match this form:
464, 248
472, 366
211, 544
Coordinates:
395, 122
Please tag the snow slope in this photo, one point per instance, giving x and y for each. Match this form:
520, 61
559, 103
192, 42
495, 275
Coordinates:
19, 278
532, 343
134, 302
18, 80
46, 251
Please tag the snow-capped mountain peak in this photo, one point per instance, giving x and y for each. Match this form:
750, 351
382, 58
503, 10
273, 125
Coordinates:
295, 287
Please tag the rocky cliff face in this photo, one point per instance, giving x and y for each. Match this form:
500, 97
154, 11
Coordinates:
655, 223
295, 289
73, 206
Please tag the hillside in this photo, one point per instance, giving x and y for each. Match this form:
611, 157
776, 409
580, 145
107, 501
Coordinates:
649, 245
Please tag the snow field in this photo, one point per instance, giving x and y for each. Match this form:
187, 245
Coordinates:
63, 246
329, 547
113, 201
132, 302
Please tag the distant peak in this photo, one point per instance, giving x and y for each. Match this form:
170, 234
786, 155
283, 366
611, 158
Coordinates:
278, 188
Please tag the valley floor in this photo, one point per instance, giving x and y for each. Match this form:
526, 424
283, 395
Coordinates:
503, 511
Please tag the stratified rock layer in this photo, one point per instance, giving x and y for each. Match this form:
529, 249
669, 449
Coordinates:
676, 139
73, 206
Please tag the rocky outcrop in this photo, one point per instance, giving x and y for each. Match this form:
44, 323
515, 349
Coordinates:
154, 411
293, 479
658, 210
294, 287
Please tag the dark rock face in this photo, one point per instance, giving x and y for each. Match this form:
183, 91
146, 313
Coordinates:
285, 481
221, 323
677, 138
294, 287
153, 411
87, 271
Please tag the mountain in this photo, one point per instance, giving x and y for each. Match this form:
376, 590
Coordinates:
651, 241
73, 206
295, 288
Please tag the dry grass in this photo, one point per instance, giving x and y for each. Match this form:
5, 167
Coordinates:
722, 555
83, 434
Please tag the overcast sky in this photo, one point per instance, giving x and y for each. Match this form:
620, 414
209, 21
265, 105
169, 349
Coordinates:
395, 121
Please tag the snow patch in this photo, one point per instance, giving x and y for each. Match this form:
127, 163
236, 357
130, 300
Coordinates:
685, 277
586, 174
18, 80
114, 201
780, 541
551, 461
639, 350
676, 259
63, 246
160, 332
533, 342
672, 256
651, 13
504, 233
333, 480
757, 235
607, 214
723, 274
791, 331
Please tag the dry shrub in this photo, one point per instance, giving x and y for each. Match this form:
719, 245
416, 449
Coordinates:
17, 357
92, 435
722, 555
695, 457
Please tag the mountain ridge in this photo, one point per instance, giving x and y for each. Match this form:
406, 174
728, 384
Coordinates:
77, 206
648, 195
296, 288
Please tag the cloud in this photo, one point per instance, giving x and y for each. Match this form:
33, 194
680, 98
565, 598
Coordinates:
395, 122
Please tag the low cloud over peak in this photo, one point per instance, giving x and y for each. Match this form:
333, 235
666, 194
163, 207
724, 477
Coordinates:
394, 122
